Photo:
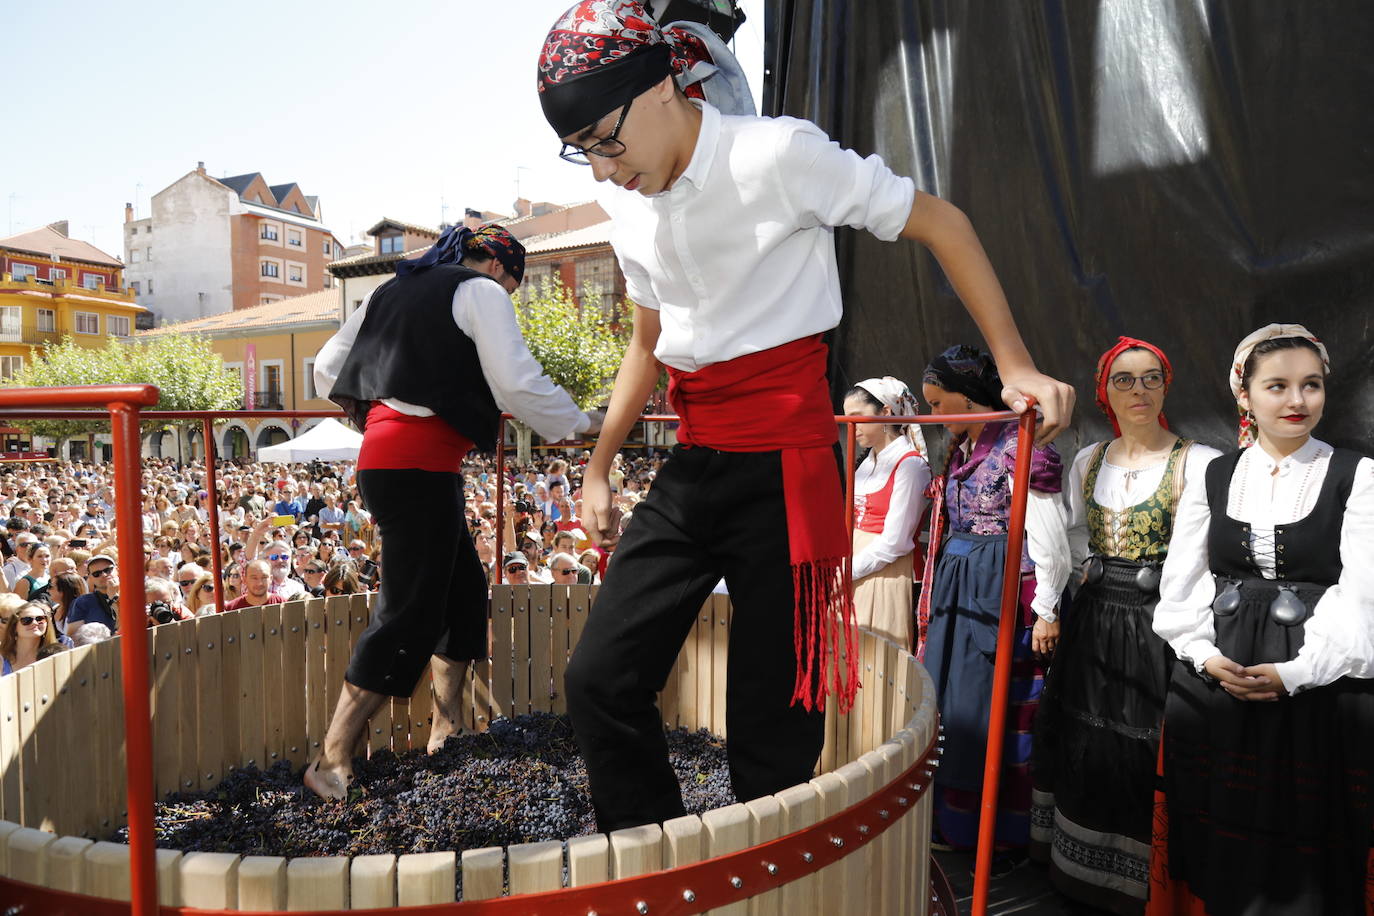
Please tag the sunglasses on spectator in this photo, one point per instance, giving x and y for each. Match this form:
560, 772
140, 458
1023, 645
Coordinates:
566, 569
186, 583
278, 556
28, 620
208, 587
104, 571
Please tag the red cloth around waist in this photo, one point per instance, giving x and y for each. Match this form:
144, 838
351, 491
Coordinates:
779, 400
399, 441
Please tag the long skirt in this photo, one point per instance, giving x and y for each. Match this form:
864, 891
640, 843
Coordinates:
961, 644
1266, 803
1096, 743
882, 600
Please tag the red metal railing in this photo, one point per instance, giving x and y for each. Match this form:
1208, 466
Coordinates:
123, 404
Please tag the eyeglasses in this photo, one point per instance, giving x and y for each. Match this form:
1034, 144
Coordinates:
278, 556
25, 621
1124, 381
355, 548
563, 572
208, 587
186, 583
103, 571
608, 148
516, 567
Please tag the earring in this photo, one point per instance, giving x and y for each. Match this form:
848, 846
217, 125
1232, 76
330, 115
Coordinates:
968, 405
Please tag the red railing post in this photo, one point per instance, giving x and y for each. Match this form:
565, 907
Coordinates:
1001, 672
212, 493
133, 628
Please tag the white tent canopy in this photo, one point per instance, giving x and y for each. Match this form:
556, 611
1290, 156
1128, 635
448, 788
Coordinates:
329, 440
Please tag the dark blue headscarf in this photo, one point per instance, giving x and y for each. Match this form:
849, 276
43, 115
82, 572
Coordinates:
491, 241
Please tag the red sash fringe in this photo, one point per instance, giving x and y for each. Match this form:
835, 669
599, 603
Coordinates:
779, 399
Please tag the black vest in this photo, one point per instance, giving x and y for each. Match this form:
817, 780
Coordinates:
409, 348
1308, 550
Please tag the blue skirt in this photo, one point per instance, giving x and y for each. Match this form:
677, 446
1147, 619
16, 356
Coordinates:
961, 645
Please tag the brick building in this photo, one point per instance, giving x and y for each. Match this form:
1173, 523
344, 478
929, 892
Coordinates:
212, 245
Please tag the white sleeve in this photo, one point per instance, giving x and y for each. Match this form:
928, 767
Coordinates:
1339, 636
1183, 616
827, 185
898, 536
483, 312
329, 362
1047, 542
1076, 508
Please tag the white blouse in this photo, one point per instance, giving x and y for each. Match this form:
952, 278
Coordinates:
1119, 488
898, 537
1339, 636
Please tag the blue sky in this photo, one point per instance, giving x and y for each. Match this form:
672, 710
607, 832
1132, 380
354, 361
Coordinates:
377, 108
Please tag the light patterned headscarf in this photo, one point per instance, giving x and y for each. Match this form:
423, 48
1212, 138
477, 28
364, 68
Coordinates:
1246, 434
897, 397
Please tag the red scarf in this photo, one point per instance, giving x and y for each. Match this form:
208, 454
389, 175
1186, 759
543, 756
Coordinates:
1104, 367
779, 399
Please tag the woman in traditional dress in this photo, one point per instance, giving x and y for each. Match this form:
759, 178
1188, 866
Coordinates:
1097, 731
1267, 598
889, 502
966, 596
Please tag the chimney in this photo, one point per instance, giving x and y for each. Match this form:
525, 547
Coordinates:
60, 227
522, 207
128, 212
200, 168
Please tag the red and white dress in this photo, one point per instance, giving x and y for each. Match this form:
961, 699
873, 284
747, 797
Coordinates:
889, 503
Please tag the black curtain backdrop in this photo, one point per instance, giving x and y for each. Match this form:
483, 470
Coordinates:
1183, 171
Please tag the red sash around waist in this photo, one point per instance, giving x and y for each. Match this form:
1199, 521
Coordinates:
779, 400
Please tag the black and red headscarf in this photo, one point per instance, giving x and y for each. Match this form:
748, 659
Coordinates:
600, 54
1104, 369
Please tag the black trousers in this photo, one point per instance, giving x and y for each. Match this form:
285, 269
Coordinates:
434, 593
710, 514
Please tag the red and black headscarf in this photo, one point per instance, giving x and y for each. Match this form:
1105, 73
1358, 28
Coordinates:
492, 241
600, 54
1104, 368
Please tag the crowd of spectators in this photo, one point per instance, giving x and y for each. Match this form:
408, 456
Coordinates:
285, 531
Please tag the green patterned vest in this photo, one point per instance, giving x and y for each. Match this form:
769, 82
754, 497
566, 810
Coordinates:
1140, 532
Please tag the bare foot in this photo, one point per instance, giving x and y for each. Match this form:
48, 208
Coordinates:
444, 729
329, 783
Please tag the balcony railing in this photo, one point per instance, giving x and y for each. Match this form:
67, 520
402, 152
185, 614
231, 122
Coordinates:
63, 287
13, 332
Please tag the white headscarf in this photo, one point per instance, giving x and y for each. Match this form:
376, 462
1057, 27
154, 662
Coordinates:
897, 397
1246, 435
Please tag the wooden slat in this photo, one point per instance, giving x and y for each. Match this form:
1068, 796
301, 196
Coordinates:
636, 850
800, 808
338, 650
28, 851
372, 882
187, 763
589, 859
468, 700
113, 705
535, 867
79, 705
167, 864
833, 892
67, 864
230, 669
65, 735
317, 883
541, 648
107, 872
426, 877
502, 641
209, 661
6, 828
561, 642
294, 746
317, 701
273, 677
48, 751
705, 671
11, 767
579, 607
720, 651
262, 883
481, 693
688, 669
420, 711
765, 823
360, 615
28, 751
167, 669
108, 782
521, 599
684, 841
252, 716
727, 830
667, 697
858, 783
882, 863
379, 729
210, 880
483, 873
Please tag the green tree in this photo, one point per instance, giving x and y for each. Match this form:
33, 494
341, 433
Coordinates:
188, 373
579, 348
